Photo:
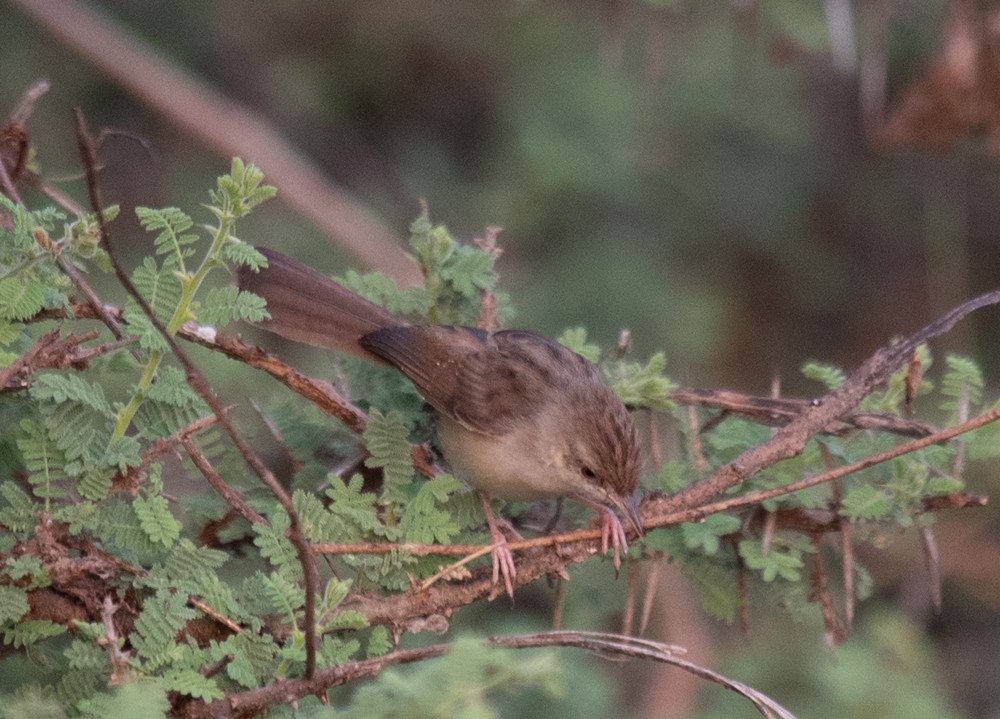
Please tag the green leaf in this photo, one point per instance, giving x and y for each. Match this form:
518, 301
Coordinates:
830, 375
13, 604
942, 485
387, 440
156, 520
123, 453
318, 524
145, 697
354, 508
285, 596
716, 587
865, 502
384, 291
31, 631
173, 238
241, 253
162, 616
140, 326
424, 519
576, 340
30, 567
273, 543
161, 288
187, 563
70, 387
223, 305
85, 655
192, 683
704, 536
19, 514
645, 385
469, 270
334, 651
379, 642
345, 619
962, 383
44, 461
253, 658
241, 190
778, 562
20, 298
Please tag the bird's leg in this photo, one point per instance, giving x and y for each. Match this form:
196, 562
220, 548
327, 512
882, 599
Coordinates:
503, 560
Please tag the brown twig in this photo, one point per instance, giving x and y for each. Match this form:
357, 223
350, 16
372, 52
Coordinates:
160, 447
251, 703
232, 497
779, 411
789, 440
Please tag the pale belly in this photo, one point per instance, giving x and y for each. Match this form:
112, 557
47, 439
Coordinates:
511, 467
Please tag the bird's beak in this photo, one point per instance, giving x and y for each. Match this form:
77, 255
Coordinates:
626, 507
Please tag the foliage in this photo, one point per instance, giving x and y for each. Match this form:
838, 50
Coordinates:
94, 496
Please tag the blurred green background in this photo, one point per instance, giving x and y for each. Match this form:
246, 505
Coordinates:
714, 176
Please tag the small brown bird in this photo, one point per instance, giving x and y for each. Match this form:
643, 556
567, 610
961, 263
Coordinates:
521, 416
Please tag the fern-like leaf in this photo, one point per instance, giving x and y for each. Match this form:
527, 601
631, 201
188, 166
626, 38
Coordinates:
146, 697
241, 253
275, 546
160, 287
13, 604
46, 463
156, 520
70, 387
20, 298
830, 375
173, 238
387, 440
285, 596
192, 683
354, 508
962, 382
865, 502
31, 631
19, 513
162, 616
644, 385
424, 518
223, 305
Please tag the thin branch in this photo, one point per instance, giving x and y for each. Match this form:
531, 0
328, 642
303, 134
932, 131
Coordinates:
26, 105
255, 701
757, 497
232, 497
779, 411
789, 440
25, 361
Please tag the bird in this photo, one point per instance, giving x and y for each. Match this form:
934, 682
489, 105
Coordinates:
520, 416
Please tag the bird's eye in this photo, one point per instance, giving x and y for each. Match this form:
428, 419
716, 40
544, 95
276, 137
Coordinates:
587, 472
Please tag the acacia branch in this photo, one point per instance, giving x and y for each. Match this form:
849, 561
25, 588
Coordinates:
200, 385
252, 703
789, 440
